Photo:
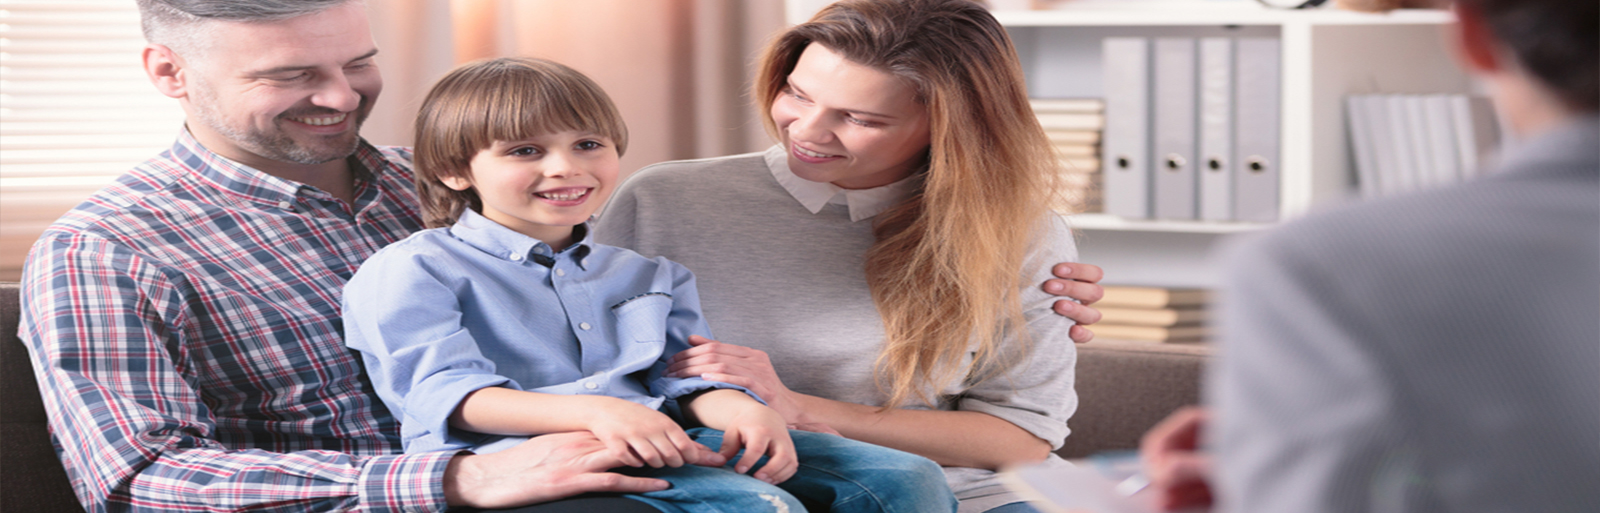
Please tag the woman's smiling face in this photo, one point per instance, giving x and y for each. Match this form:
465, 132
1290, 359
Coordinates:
848, 124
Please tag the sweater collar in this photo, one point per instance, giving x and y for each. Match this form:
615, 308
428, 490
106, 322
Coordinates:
863, 203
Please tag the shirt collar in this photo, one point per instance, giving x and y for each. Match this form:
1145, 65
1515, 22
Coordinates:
863, 203
507, 244
1553, 148
254, 185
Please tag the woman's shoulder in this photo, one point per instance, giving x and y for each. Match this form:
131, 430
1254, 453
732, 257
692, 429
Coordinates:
700, 171
1054, 240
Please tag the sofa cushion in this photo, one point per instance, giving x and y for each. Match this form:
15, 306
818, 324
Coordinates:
1125, 388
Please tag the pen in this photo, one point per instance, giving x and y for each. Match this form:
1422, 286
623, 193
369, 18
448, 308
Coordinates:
1132, 485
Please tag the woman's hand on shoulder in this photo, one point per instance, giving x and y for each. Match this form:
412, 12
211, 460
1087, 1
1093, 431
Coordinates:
738, 365
1081, 282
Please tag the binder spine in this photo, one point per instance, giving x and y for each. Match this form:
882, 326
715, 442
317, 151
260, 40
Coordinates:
1125, 165
1216, 129
1256, 186
1174, 161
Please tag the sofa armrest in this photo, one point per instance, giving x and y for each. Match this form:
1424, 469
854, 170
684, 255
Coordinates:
1124, 388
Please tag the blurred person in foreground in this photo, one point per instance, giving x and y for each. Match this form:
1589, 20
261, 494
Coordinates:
1433, 352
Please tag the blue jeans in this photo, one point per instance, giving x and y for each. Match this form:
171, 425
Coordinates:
836, 474
1015, 507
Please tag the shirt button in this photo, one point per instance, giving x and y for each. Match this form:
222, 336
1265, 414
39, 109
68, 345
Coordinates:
584, 326
285, 205
591, 385
514, 257
560, 272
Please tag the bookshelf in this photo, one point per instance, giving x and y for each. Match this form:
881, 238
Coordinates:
1327, 54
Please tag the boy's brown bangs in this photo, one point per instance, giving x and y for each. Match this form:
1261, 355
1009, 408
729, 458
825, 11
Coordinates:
523, 103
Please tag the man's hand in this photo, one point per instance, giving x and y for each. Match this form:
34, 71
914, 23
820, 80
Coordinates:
1081, 282
760, 431
544, 469
1172, 459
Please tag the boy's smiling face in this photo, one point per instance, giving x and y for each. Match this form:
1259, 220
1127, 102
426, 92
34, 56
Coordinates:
544, 185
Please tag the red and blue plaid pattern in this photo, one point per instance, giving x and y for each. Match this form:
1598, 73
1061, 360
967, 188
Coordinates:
186, 331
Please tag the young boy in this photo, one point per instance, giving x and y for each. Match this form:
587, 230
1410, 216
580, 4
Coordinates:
504, 321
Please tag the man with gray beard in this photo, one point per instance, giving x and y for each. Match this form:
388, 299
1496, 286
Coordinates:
184, 321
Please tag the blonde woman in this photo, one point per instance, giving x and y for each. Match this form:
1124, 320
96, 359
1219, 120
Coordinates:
877, 273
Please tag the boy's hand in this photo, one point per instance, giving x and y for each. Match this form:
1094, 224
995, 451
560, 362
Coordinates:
642, 436
760, 431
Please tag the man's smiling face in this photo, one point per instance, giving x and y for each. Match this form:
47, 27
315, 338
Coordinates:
290, 91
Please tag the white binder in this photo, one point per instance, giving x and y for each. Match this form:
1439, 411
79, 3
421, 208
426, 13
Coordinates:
1442, 138
1384, 157
1408, 174
1174, 157
1126, 145
1215, 168
1256, 190
1428, 174
1476, 132
1362, 146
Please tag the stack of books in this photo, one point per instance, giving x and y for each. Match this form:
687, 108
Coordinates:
1073, 126
1155, 314
1406, 142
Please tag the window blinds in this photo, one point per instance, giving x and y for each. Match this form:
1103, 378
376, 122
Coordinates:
75, 111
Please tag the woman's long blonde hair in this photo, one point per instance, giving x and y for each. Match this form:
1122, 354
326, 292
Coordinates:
947, 267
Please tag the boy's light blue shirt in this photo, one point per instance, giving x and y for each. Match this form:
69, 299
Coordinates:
448, 311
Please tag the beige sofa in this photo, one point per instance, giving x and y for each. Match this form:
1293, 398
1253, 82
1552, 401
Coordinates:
1123, 389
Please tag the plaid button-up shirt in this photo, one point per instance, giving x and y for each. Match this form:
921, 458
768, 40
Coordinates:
186, 332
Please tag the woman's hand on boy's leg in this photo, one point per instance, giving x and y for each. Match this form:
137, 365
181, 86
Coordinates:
761, 431
641, 436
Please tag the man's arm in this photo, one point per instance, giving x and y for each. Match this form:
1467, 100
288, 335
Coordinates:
543, 469
107, 332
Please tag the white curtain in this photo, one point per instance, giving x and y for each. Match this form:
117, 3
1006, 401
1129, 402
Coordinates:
76, 110
678, 69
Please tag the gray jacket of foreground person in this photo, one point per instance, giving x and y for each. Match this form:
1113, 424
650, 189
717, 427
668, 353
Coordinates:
1433, 352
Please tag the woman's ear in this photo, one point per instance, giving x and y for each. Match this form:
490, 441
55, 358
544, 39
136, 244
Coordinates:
165, 70
459, 183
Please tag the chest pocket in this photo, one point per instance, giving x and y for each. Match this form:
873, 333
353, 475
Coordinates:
643, 318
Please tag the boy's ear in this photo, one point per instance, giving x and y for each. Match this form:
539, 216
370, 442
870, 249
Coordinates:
459, 183
165, 70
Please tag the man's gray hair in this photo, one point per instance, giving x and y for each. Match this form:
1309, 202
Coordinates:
178, 24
